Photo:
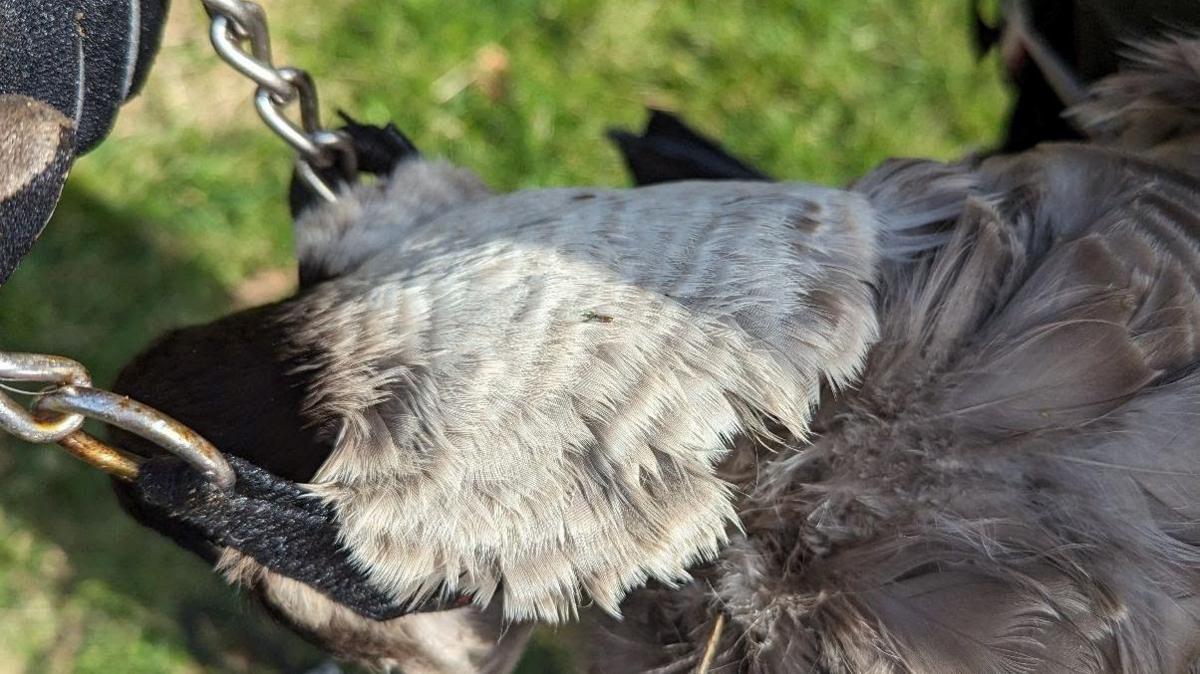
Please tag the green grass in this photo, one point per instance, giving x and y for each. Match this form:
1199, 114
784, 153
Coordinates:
169, 219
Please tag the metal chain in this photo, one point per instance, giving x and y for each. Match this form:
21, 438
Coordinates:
34, 367
58, 412
239, 35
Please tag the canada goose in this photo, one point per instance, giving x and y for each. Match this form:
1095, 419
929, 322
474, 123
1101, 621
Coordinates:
938, 422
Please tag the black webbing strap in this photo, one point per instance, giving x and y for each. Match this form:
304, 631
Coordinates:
274, 521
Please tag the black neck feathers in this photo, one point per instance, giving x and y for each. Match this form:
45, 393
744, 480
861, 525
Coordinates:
234, 381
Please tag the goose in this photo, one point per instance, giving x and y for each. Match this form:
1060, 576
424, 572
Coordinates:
942, 420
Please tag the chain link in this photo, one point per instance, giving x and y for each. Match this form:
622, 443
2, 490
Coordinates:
59, 411
35, 367
240, 36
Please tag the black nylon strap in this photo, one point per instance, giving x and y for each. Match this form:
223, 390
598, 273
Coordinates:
274, 521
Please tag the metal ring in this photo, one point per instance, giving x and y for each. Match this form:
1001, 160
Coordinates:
120, 464
17, 421
42, 367
285, 128
232, 7
338, 144
335, 144
37, 367
146, 422
248, 21
320, 147
308, 174
258, 69
306, 92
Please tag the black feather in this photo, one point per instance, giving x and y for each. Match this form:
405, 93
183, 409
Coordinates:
669, 150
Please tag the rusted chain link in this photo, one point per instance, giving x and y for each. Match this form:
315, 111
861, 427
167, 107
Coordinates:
58, 412
239, 35
35, 367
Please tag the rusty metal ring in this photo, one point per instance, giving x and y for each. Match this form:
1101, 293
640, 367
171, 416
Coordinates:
143, 421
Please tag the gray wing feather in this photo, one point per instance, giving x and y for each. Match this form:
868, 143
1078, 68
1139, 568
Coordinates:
535, 389
1013, 486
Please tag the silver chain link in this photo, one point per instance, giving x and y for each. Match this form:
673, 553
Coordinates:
58, 412
240, 36
52, 370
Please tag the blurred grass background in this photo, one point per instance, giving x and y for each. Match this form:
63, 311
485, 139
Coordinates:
179, 217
